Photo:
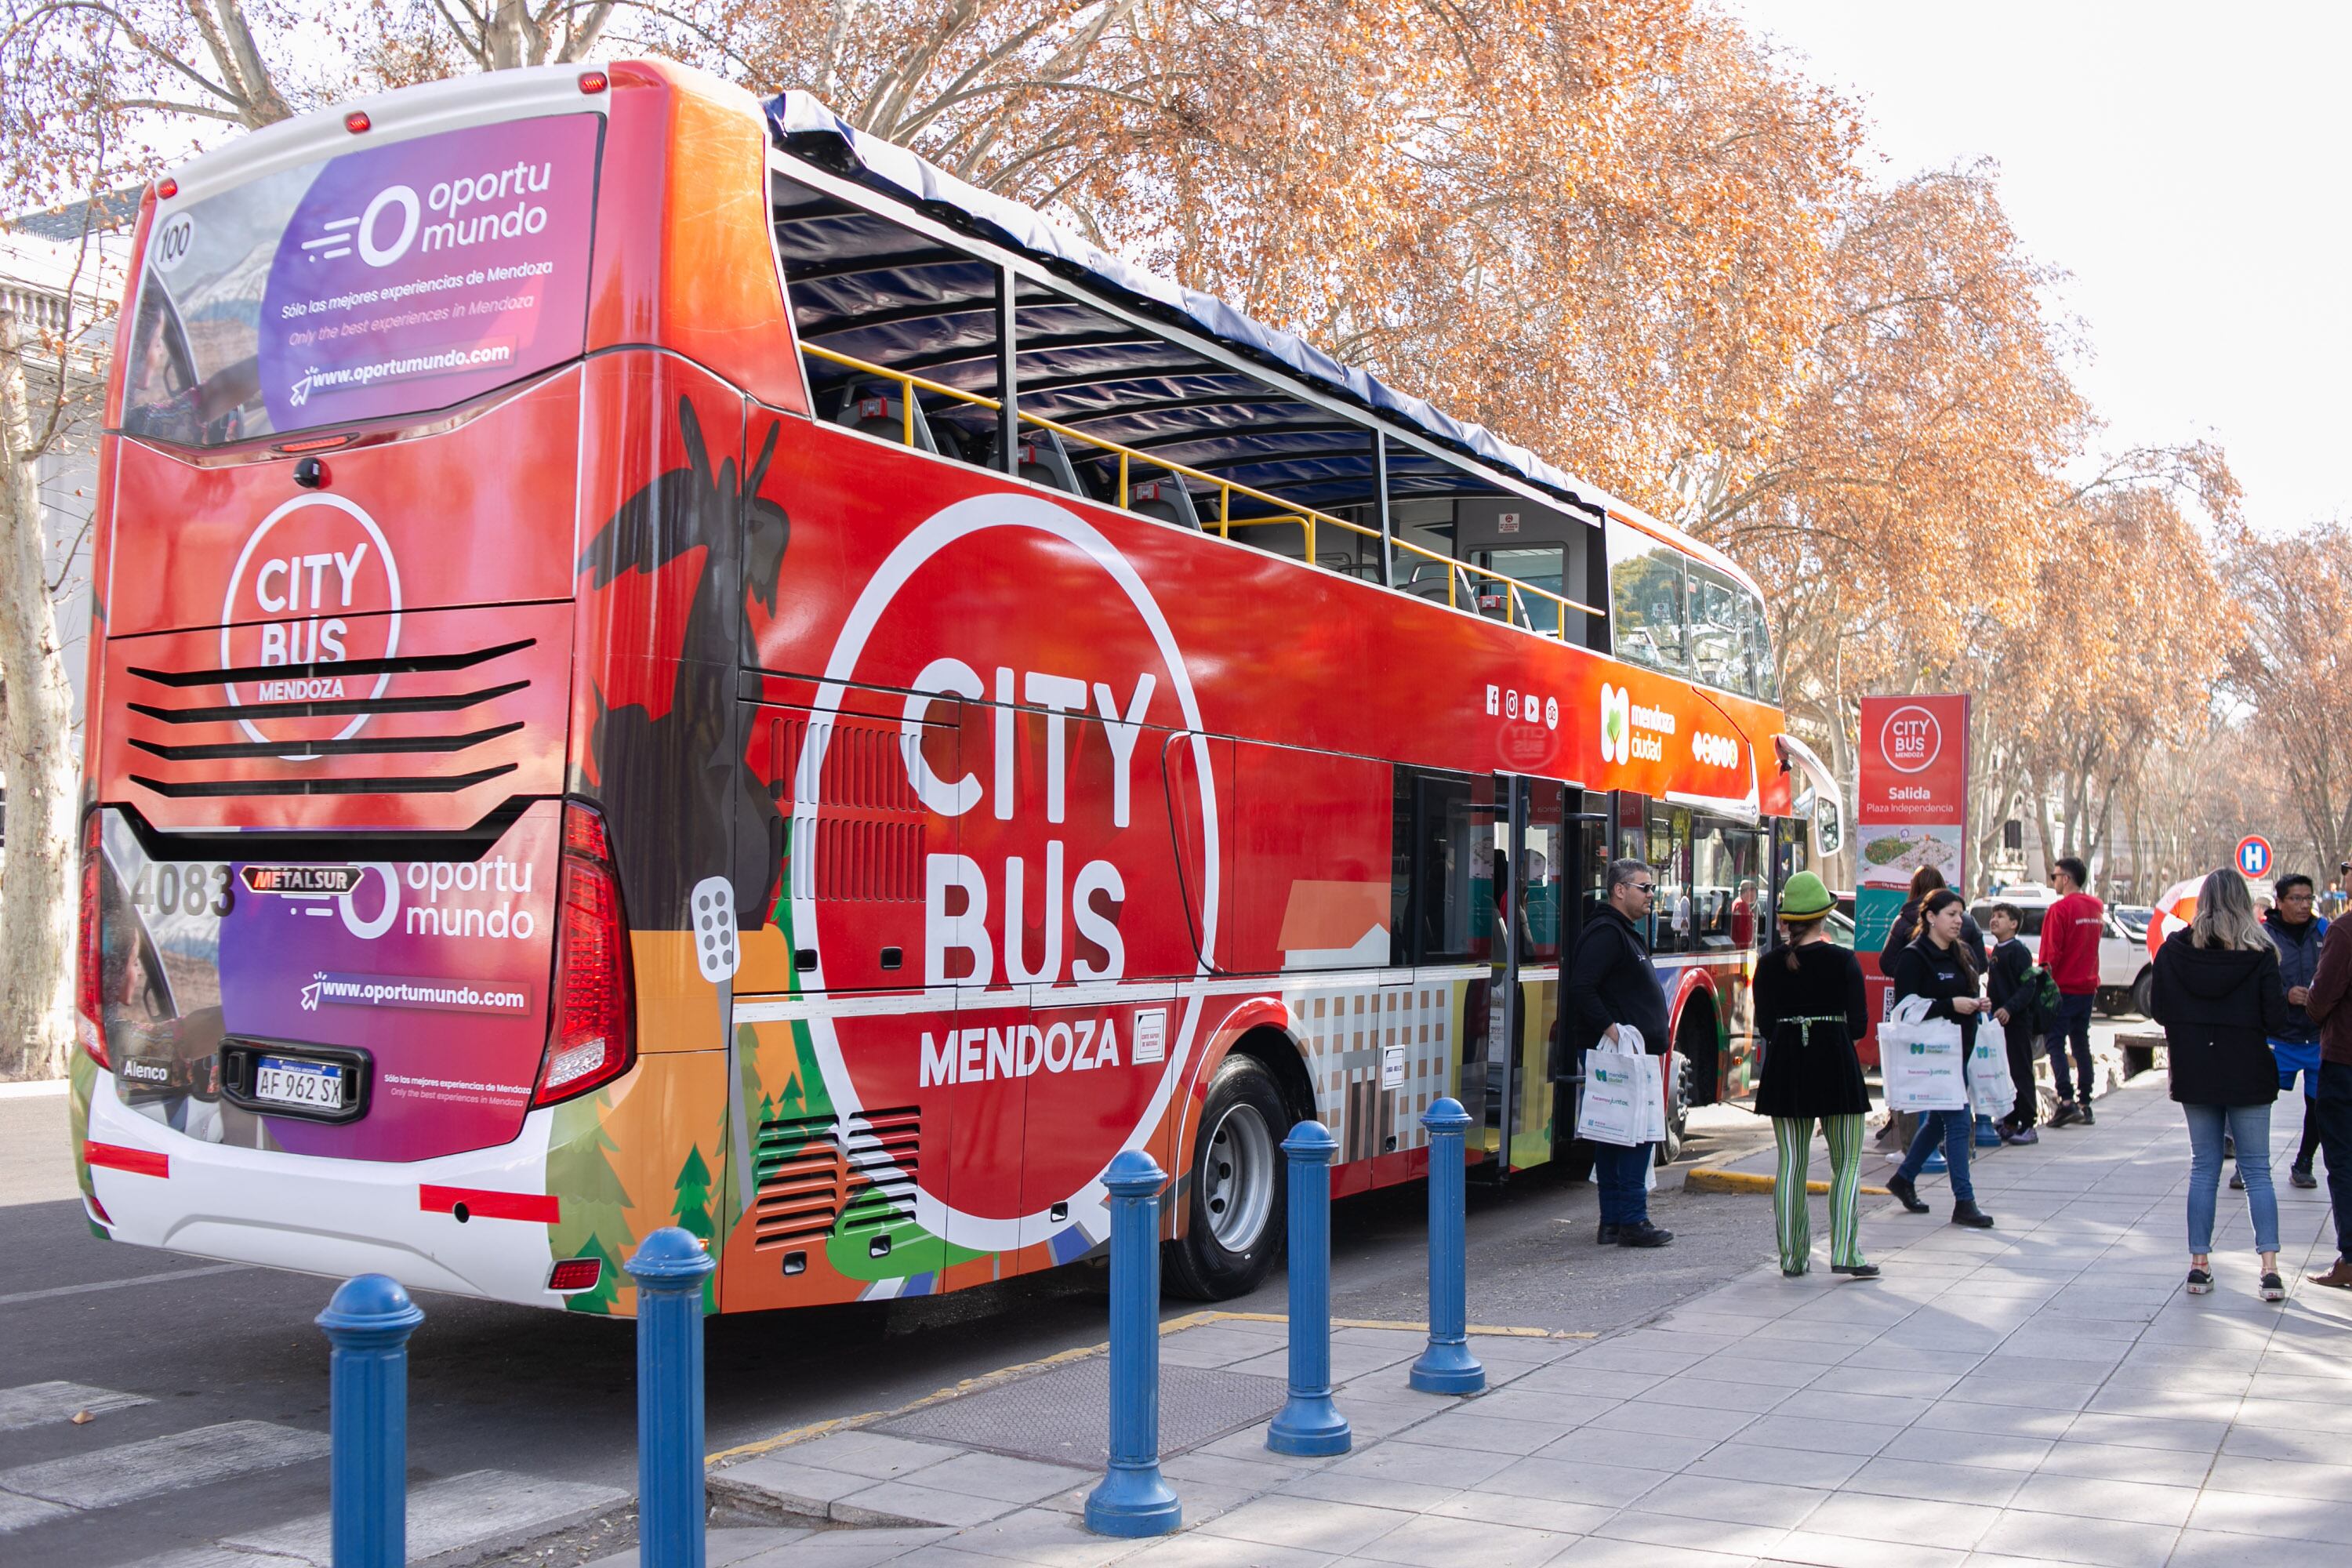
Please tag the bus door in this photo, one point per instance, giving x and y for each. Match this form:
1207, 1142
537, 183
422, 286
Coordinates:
1531, 856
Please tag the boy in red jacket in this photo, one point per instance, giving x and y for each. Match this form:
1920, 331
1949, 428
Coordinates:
2071, 930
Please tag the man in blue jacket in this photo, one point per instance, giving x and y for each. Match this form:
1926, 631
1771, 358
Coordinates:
2295, 930
1611, 983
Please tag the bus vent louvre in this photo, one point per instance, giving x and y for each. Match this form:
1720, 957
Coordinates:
858, 830
263, 766
815, 1177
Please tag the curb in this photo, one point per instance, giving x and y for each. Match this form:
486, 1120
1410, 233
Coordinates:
1706, 1180
716, 1462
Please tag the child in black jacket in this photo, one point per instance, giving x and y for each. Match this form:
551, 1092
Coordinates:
2015, 991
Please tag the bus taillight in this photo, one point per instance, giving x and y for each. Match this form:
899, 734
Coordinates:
89, 993
590, 1040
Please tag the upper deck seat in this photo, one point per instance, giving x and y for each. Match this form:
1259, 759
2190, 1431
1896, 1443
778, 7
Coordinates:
1046, 462
1167, 499
880, 409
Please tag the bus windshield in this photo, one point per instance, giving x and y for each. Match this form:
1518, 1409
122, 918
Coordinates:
389, 281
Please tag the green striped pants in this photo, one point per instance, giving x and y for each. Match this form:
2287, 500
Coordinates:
1794, 1134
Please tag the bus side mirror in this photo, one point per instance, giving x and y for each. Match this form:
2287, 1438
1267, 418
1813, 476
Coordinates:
1828, 826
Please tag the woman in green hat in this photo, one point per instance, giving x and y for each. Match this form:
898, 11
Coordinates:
1809, 1010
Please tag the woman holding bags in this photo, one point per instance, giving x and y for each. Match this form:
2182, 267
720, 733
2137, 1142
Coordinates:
1809, 1010
1939, 967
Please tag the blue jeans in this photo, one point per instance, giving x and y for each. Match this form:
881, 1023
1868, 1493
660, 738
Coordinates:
2073, 1023
1956, 1130
2249, 1125
1620, 1174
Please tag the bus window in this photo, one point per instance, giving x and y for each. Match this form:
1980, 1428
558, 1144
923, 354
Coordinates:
237, 333
1449, 869
1729, 647
1673, 916
1646, 593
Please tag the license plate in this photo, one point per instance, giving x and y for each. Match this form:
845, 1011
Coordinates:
290, 1080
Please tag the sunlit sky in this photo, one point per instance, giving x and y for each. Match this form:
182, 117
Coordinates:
2186, 165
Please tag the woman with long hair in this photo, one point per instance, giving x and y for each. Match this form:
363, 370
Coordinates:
2218, 995
1927, 880
1941, 967
1809, 1010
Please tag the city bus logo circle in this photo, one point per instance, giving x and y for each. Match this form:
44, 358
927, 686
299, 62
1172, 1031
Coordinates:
891, 637
1911, 739
315, 586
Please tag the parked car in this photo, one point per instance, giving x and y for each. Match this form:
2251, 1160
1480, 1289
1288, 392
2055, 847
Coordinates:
2126, 973
2134, 918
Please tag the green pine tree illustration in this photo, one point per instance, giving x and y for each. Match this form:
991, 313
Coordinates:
594, 1204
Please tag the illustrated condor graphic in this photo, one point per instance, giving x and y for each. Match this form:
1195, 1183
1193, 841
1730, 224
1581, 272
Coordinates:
679, 783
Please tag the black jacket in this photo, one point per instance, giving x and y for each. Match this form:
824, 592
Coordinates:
1811, 1069
1939, 974
2219, 1007
1612, 981
2007, 986
1905, 931
2298, 950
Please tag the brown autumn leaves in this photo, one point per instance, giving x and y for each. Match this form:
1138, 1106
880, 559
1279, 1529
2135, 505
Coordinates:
1619, 232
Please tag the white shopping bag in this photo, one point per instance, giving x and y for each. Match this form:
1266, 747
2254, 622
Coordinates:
1653, 1073
1992, 1090
1920, 1060
1609, 1111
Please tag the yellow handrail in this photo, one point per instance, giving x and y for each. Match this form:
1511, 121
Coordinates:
1514, 607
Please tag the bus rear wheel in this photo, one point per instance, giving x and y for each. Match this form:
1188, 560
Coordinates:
1236, 1192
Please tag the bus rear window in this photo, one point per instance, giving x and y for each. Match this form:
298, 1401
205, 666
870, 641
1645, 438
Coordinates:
387, 281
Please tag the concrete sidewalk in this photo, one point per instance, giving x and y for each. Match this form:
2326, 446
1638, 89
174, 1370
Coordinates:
2043, 1391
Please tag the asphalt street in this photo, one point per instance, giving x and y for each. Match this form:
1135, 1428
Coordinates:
546, 1396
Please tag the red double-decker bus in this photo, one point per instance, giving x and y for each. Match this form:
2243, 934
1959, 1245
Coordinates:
660, 661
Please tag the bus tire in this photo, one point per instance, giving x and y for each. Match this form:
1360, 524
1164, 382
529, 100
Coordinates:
1236, 1192
1678, 1104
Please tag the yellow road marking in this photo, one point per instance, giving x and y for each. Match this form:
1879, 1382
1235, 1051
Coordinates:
1702, 1180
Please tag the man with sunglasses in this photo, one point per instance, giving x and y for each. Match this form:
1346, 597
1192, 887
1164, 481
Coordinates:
1613, 985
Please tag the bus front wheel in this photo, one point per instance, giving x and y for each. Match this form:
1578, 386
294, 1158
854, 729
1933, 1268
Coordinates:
1236, 1192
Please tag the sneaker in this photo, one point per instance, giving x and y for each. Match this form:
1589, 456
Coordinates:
2088, 1120
2201, 1283
2021, 1135
1906, 1193
2064, 1114
1858, 1270
2301, 1176
1968, 1214
1643, 1235
1607, 1235
2237, 1181
2273, 1288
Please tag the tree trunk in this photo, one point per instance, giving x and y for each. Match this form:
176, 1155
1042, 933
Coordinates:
37, 754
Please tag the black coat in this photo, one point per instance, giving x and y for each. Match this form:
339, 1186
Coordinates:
1612, 981
2298, 950
1939, 973
1811, 1071
2006, 986
2219, 1007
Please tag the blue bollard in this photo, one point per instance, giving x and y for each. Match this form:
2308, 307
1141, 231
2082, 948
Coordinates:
1446, 1366
1309, 1423
368, 1322
669, 1269
1132, 1498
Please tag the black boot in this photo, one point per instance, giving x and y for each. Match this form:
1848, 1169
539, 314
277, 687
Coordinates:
1966, 1212
1607, 1236
1908, 1195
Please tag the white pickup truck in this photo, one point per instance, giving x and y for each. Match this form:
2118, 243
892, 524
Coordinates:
2126, 971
